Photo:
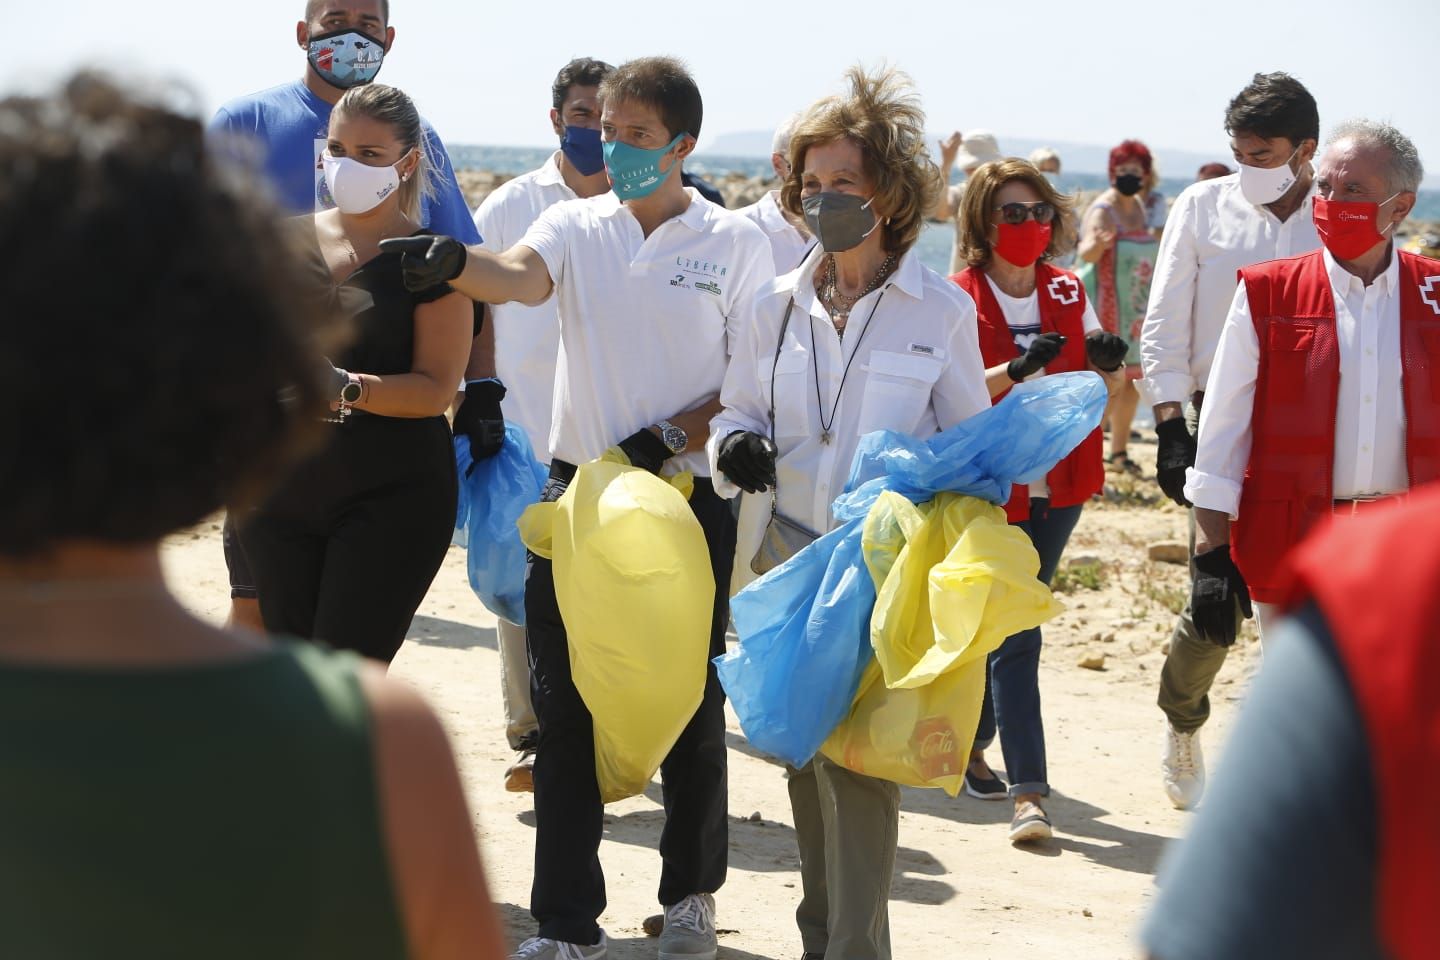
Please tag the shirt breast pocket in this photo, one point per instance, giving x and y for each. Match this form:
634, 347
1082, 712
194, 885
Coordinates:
1288, 348
897, 391
793, 401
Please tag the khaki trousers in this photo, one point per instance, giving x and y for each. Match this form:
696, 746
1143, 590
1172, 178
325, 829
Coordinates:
847, 827
520, 722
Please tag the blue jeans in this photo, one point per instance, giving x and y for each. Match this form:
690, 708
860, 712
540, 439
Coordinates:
1012, 688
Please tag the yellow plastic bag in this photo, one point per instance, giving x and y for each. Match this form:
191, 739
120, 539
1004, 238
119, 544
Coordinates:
635, 588
953, 580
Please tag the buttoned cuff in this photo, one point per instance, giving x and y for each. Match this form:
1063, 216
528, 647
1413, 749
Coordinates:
1169, 387
1212, 492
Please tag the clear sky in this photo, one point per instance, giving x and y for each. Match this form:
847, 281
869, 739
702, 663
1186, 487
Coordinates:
1089, 71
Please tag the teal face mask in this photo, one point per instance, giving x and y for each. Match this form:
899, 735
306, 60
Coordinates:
636, 173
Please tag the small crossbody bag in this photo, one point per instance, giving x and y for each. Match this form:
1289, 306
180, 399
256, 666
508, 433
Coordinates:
783, 537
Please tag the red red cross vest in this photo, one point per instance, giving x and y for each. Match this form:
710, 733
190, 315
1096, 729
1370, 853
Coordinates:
1287, 486
1062, 310
1374, 580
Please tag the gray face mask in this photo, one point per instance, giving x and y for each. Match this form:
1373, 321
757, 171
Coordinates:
840, 221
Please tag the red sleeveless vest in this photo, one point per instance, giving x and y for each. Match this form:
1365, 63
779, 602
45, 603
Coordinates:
1287, 486
1374, 580
1080, 475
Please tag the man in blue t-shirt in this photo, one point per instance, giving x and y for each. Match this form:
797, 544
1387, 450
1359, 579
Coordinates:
345, 43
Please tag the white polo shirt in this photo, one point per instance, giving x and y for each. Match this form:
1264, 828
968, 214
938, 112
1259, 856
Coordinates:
647, 324
788, 246
1212, 232
527, 339
914, 367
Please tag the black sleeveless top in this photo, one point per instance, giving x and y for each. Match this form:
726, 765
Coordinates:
384, 332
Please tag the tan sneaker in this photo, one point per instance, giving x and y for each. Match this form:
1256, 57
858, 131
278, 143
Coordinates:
520, 775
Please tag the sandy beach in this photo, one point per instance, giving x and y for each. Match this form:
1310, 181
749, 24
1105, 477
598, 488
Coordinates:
959, 887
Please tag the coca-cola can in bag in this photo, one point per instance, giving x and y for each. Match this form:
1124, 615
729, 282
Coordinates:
935, 747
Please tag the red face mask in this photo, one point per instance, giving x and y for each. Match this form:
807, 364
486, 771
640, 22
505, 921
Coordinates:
1347, 228
1022, 243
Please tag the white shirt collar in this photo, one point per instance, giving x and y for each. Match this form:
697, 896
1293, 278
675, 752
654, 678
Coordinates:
1341, 280
772, 219
695, 216
549, 172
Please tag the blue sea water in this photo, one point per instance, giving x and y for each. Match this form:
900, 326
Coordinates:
934, 244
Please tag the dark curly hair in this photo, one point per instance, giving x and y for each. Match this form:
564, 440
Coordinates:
159, 348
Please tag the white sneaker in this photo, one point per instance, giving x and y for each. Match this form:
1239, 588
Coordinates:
543, 948
1184, 768
689, 932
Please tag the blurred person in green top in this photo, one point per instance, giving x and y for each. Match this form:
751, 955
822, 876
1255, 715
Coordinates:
168, 788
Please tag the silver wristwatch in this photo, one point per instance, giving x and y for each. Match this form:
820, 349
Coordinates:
673, 437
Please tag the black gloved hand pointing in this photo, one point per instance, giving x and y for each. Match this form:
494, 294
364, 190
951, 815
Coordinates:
1175, 454
1106, 351
480, 419
427, 261
748, 460
1214, 593
1042, 350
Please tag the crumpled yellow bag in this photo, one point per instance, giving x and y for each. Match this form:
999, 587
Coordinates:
953, 580
635, 588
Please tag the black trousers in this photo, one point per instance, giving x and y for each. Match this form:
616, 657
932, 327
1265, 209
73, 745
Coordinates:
345, 551
568, 894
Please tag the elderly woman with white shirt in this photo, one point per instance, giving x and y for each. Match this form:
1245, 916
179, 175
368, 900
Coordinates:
860, 337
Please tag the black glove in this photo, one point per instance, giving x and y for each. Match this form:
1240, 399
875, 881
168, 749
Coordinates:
1216, 588
480, 419
1175, 454
1041, 351
1106, 351
427, 261
645, 450
748, 460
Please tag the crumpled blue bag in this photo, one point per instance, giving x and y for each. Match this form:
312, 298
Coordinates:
804, 627
492, 497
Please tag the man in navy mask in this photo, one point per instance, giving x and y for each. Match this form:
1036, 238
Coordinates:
527, 339
345, 43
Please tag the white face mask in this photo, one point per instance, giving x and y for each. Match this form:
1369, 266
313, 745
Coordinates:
1262, 185
358, 187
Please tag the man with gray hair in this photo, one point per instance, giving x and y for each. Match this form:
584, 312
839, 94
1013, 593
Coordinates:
1324, 397
789, 239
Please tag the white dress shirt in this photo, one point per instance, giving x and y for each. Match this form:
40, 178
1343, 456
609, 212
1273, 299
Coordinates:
1369, 414
1212, 232
527, 339
647, 324
788, 245
914, 367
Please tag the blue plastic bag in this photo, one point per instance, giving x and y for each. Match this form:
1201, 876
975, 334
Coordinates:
492, 496
804, 627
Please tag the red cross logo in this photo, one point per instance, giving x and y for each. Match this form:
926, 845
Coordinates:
1427, 293
1066, 289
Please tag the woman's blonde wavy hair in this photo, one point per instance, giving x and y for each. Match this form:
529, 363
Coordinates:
882, 115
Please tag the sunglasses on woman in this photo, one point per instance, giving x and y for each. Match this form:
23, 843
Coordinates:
1015, 213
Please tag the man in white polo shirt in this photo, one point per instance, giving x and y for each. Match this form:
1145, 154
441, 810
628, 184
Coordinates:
789, 239
1215, 228
651, 280
527, 339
